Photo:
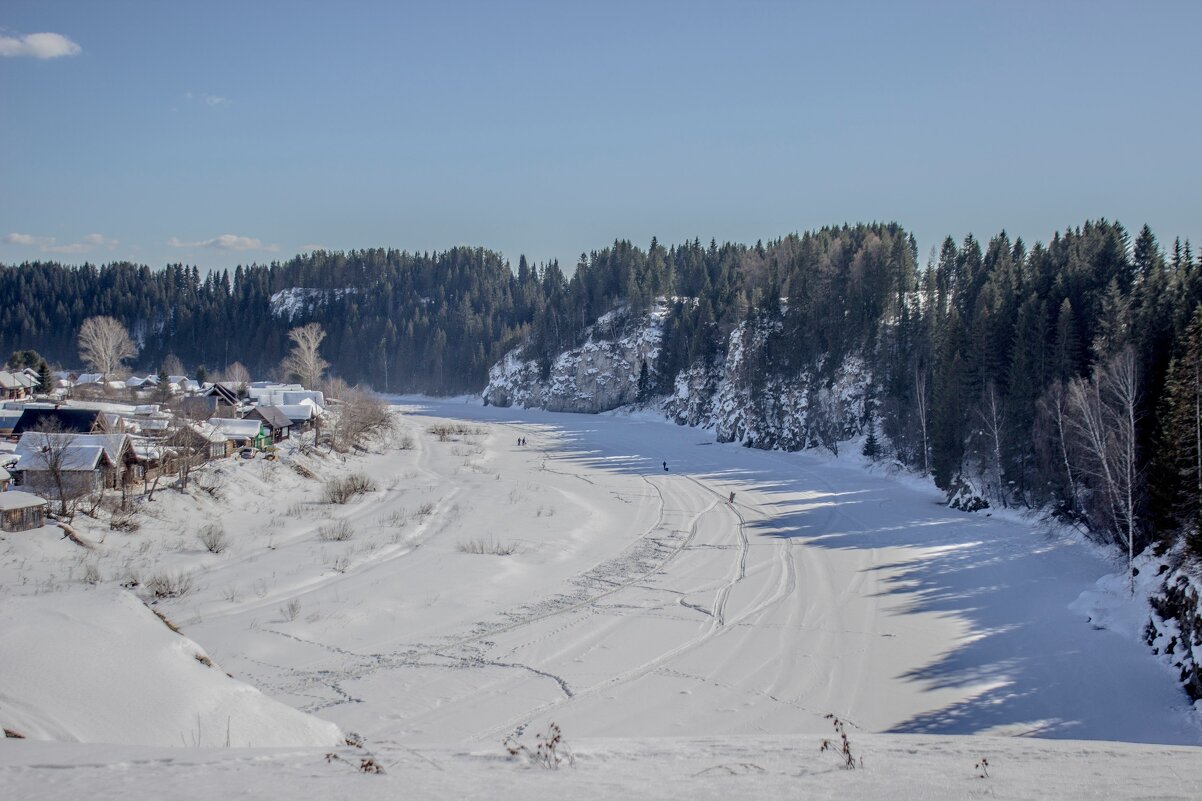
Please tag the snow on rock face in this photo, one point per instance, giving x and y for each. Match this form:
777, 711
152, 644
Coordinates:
98, 666
298, 300
600, 375
790, 413
1175, 628
733, 396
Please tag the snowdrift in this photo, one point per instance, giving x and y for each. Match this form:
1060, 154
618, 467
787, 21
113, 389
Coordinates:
98, 666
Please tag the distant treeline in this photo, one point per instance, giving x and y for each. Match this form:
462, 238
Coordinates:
985, 365
409, 322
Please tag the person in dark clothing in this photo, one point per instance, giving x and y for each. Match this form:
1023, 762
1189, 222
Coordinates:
665, 467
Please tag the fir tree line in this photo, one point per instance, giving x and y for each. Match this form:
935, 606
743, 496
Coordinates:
986, 366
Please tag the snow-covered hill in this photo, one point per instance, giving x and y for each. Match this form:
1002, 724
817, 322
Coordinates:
99, 667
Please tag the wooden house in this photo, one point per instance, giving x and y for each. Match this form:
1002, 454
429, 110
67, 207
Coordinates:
249, 433
21, 511
87, 462
278, 423
65, 419
227, 400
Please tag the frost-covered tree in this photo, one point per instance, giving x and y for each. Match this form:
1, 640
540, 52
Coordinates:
104, 345
305, 361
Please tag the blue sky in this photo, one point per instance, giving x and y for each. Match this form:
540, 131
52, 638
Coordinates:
221, 133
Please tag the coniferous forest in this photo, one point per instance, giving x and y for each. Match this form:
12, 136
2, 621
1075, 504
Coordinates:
1065, 375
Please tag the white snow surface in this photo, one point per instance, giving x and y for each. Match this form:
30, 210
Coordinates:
98, 666
687, 646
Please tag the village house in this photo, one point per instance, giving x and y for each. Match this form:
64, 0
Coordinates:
86, 462
15, 385
212, 441
66, 419
225, 400
21, 511
302, 415
278, 424
249, 433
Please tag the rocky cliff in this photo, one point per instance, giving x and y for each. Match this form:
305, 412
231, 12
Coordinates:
600, 375
730, 395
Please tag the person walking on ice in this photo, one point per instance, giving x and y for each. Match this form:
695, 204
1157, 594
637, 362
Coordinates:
732, 497
665, 467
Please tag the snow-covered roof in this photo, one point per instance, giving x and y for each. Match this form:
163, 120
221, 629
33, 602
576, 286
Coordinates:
274, 416
19, 500
32, 443
147, 450
208, 432
74, 457
238, 429
4, 474
88, 378
299, 412
9, 381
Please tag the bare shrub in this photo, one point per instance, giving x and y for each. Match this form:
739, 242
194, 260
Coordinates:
843, 747
367, 764
446, 432
341, 490
338, 532
170, 585
124, 520
342, 563
91, 574
487, 547
425, 510
397, 518
550, 752
213, 538
209, 485
364, 416
291, 610
360, 484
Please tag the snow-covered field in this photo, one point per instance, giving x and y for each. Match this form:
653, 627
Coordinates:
687, 646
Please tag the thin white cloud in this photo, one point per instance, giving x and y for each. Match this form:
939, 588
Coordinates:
38, 45
207, 99
223, 242
48, 244
90, 242
25, 240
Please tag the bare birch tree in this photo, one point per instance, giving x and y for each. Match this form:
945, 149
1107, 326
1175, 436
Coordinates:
920, 398
304, 361
104, 345
1104, 421
237, 377
1055, 408
993, 418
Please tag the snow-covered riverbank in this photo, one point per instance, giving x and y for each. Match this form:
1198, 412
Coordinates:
488, 588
